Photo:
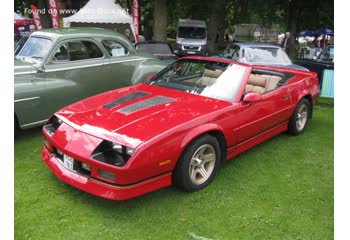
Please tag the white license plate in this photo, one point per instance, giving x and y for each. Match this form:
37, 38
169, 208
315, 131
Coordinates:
191, 52
68, 162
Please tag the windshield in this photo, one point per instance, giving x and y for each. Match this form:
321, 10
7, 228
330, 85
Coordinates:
265, 55
327, 54
192, 32
206, 78
36, 48
232, 52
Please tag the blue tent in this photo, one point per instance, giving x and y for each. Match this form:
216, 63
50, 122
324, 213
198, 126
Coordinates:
316, 33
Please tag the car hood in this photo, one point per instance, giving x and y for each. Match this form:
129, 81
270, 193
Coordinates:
138, 113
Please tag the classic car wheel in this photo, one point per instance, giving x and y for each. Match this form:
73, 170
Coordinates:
300, 117
198, 164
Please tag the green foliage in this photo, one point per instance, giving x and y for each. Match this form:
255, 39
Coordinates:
281, 189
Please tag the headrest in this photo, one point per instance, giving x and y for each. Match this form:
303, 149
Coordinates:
257, 80
211, 73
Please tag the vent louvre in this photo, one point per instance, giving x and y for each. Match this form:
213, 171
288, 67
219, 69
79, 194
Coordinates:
127, 98
151, 102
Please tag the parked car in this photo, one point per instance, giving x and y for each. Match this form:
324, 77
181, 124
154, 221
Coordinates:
259, 53
191, 38
177, 128
161, 49
56, 67
324, 61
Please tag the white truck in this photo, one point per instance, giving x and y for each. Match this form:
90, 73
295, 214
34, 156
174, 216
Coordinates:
191, 38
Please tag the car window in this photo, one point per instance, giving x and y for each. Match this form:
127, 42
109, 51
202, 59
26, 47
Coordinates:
61, 53
114, 48
328, 54
232, 52
81, 50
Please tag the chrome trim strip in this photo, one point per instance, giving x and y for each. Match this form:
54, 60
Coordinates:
24, 73
130, 60
26, 99
95, 65
34, 123
77, 67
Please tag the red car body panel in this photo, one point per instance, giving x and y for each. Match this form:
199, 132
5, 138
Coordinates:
161, 133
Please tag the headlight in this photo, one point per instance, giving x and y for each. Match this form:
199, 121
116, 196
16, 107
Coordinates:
52, 125
112, 153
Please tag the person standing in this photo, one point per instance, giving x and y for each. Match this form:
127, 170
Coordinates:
323, 42
287, 43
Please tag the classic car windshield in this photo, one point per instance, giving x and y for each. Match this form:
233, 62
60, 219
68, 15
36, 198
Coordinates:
192, 32
327, 54
206, 78
265, 55
36, 48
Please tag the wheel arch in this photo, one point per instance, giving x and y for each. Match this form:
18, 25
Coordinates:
209, 129
308, 97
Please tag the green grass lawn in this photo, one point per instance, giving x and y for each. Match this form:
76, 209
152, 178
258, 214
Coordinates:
281, 189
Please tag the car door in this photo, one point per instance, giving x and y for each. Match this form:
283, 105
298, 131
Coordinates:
122, 62
29, 100
76, 70
254, 118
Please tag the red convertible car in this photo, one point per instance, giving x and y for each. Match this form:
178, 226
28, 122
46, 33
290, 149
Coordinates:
176, 128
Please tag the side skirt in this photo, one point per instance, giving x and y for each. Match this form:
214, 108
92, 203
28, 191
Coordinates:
243, 146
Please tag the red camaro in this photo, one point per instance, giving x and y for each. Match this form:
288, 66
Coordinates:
177, 128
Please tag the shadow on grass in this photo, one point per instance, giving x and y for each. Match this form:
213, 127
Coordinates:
28, 134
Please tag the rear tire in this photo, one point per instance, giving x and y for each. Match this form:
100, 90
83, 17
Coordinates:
300, 118
198, 164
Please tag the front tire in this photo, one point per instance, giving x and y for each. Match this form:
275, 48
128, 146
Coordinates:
300, 118
198, 164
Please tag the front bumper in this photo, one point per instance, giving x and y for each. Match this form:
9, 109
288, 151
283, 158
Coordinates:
183, 50
103, 189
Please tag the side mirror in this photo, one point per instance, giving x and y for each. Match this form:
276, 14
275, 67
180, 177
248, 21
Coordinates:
39, 68
252, 97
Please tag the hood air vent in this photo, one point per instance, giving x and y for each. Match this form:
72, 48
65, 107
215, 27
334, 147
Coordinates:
127, 98
154, 101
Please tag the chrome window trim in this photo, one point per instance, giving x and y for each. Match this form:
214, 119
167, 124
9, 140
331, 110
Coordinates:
95, 65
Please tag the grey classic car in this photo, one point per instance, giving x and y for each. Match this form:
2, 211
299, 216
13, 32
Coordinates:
259, 53
56, 67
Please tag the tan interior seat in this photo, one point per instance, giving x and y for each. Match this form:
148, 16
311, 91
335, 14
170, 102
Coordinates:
209, 77
262, 83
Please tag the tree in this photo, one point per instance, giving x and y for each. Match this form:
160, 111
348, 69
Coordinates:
160, 20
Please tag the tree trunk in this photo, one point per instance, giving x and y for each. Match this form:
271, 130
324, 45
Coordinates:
216, 26
160, 20
45, 18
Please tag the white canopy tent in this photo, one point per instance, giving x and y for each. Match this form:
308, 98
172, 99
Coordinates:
101, 13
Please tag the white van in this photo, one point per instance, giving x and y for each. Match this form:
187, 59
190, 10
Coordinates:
191, 38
